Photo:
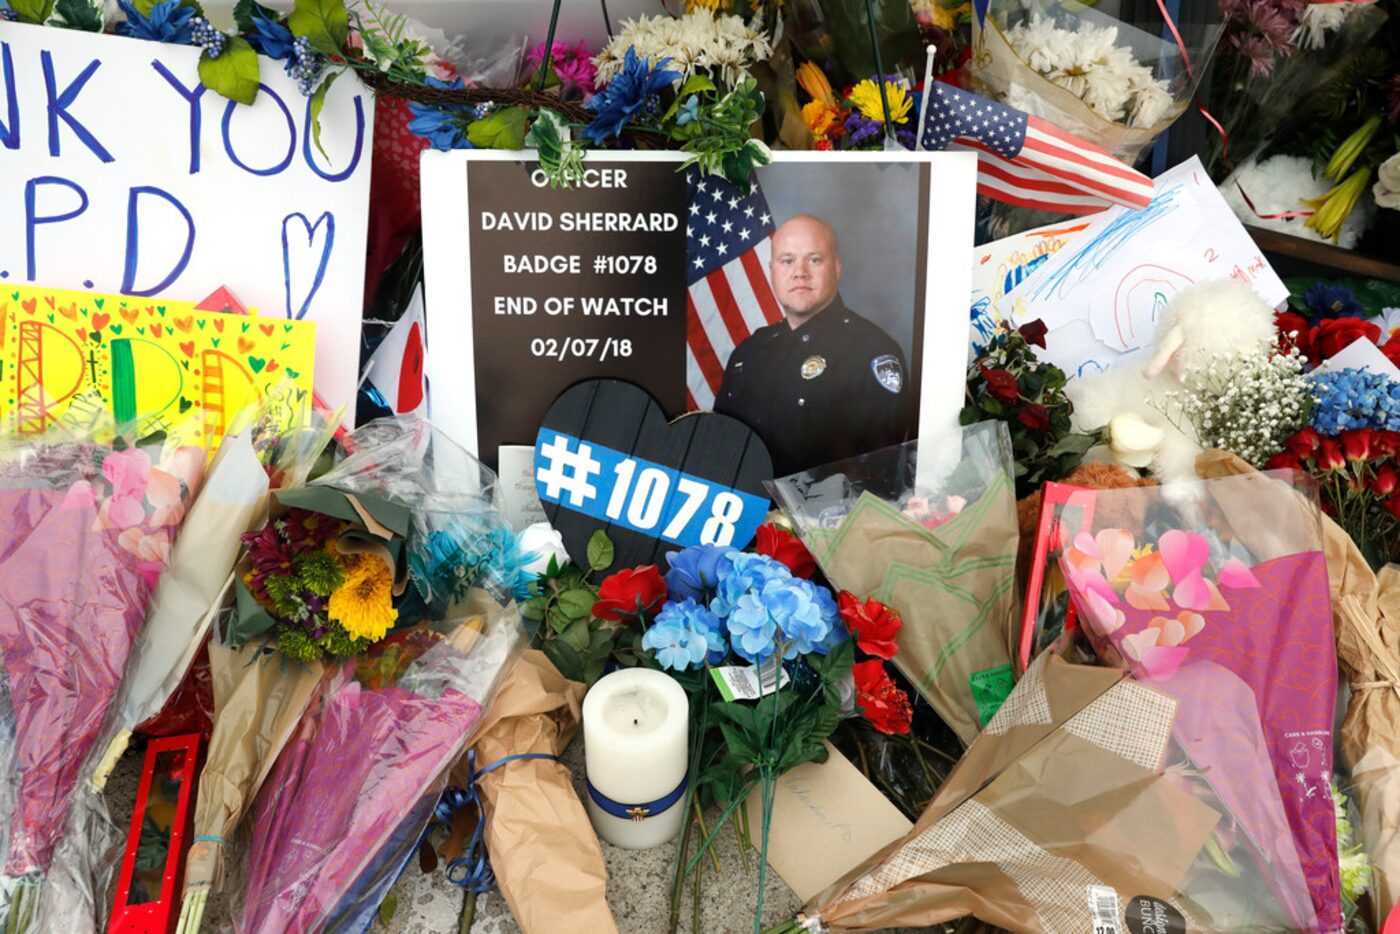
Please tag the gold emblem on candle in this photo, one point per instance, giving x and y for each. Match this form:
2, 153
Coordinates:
639, 814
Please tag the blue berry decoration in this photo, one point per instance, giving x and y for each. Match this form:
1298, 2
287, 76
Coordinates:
305, 65
204, 34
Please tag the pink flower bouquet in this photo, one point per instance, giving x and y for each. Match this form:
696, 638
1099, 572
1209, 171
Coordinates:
1229, 571
88, 530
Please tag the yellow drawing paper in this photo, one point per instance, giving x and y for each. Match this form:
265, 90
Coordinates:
66, 358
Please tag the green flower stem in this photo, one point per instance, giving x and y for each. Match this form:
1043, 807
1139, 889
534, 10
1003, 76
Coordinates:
739, 838
464, 924
728, 812
700, 821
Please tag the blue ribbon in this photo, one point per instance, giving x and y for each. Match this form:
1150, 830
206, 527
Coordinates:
637, 812
472, 870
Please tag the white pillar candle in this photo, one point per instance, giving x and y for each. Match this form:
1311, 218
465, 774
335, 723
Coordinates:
635, 743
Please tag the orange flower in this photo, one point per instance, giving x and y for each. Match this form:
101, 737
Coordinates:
815, 83
819, 117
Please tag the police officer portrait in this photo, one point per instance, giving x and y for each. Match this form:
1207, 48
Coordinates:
825, 382
834, 372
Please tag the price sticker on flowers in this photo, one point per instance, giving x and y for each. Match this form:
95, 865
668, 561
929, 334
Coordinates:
641, 495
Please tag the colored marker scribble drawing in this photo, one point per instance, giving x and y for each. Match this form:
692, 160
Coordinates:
1131, 320
86, 362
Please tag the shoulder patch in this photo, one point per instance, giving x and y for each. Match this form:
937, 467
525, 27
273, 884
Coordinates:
888, 373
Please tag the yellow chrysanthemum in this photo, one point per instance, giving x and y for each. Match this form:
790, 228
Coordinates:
866, 96
819, 117
714, 6
364, 603
813, 80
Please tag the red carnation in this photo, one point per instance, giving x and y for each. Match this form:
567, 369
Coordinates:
1332, 335
1356, 445
1033, 332
1002, 385
879, 699
873, 624
1035, 417
630, 594
1294, 331
1330, 457
782, 545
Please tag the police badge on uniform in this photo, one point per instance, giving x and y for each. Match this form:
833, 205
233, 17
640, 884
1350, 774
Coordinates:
888, 373
815, 366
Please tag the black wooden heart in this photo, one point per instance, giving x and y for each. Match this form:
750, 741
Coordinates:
619, 422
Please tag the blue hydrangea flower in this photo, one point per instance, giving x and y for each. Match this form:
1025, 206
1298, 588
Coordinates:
1333, 301
752, 630
1349, 399
444, 127
695, 572
681, 635
270, 37
625, 95
168, 22
803, 618
742, 572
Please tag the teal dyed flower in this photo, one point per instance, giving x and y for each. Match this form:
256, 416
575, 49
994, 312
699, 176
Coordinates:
684, 635
631, 91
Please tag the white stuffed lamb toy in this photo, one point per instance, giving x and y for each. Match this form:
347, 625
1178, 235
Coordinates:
1203, 321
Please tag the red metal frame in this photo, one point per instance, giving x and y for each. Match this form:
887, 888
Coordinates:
161, 916
1054, 497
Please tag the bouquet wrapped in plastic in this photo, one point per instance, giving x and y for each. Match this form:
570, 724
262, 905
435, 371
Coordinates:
1229, 571
929, 529
89, 528
328, 836
1094, 800
1118, 83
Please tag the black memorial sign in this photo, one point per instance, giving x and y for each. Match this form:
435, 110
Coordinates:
606, 458
573, 284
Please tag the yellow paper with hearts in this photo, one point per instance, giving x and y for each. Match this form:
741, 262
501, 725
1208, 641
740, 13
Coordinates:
78, 360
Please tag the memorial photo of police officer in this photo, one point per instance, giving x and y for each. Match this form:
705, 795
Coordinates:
832, 376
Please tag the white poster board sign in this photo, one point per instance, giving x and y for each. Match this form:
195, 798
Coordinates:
120, 172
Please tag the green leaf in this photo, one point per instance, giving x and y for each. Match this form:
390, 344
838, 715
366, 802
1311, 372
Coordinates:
576, 603
1071, 444
577, 635
80, 14
32, 11
837, 663
318, 101
534, 607
387, 908
325, 24
739, 744
501, 129
696, 84
234, 74
742, 715
565, 658
243, 12
600, 551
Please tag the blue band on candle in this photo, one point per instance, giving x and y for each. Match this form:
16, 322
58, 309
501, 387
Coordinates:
637, 812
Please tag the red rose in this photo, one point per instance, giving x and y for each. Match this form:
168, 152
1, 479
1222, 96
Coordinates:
879, 699
1356, 445
1391, 349
1333, 334
1386, 443
1002, 385
630, 594
1392, 506
1383, 483
872, 624
1293, 331
1303, 444
782, 545
1033, 332
1330, 457
1035, 417
822, 145
1284, 460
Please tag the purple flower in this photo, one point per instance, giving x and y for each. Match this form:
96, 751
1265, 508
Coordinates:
860, 129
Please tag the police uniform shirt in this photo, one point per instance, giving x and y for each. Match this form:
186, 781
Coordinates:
835, 387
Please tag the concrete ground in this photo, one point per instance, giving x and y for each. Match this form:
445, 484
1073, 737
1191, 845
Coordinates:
638, 884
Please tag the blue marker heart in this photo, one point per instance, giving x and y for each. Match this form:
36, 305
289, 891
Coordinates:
299, 259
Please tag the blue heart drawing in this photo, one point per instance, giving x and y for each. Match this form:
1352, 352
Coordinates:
296, 311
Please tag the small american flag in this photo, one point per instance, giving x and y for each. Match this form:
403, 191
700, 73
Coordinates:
730, 297
1023, 160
